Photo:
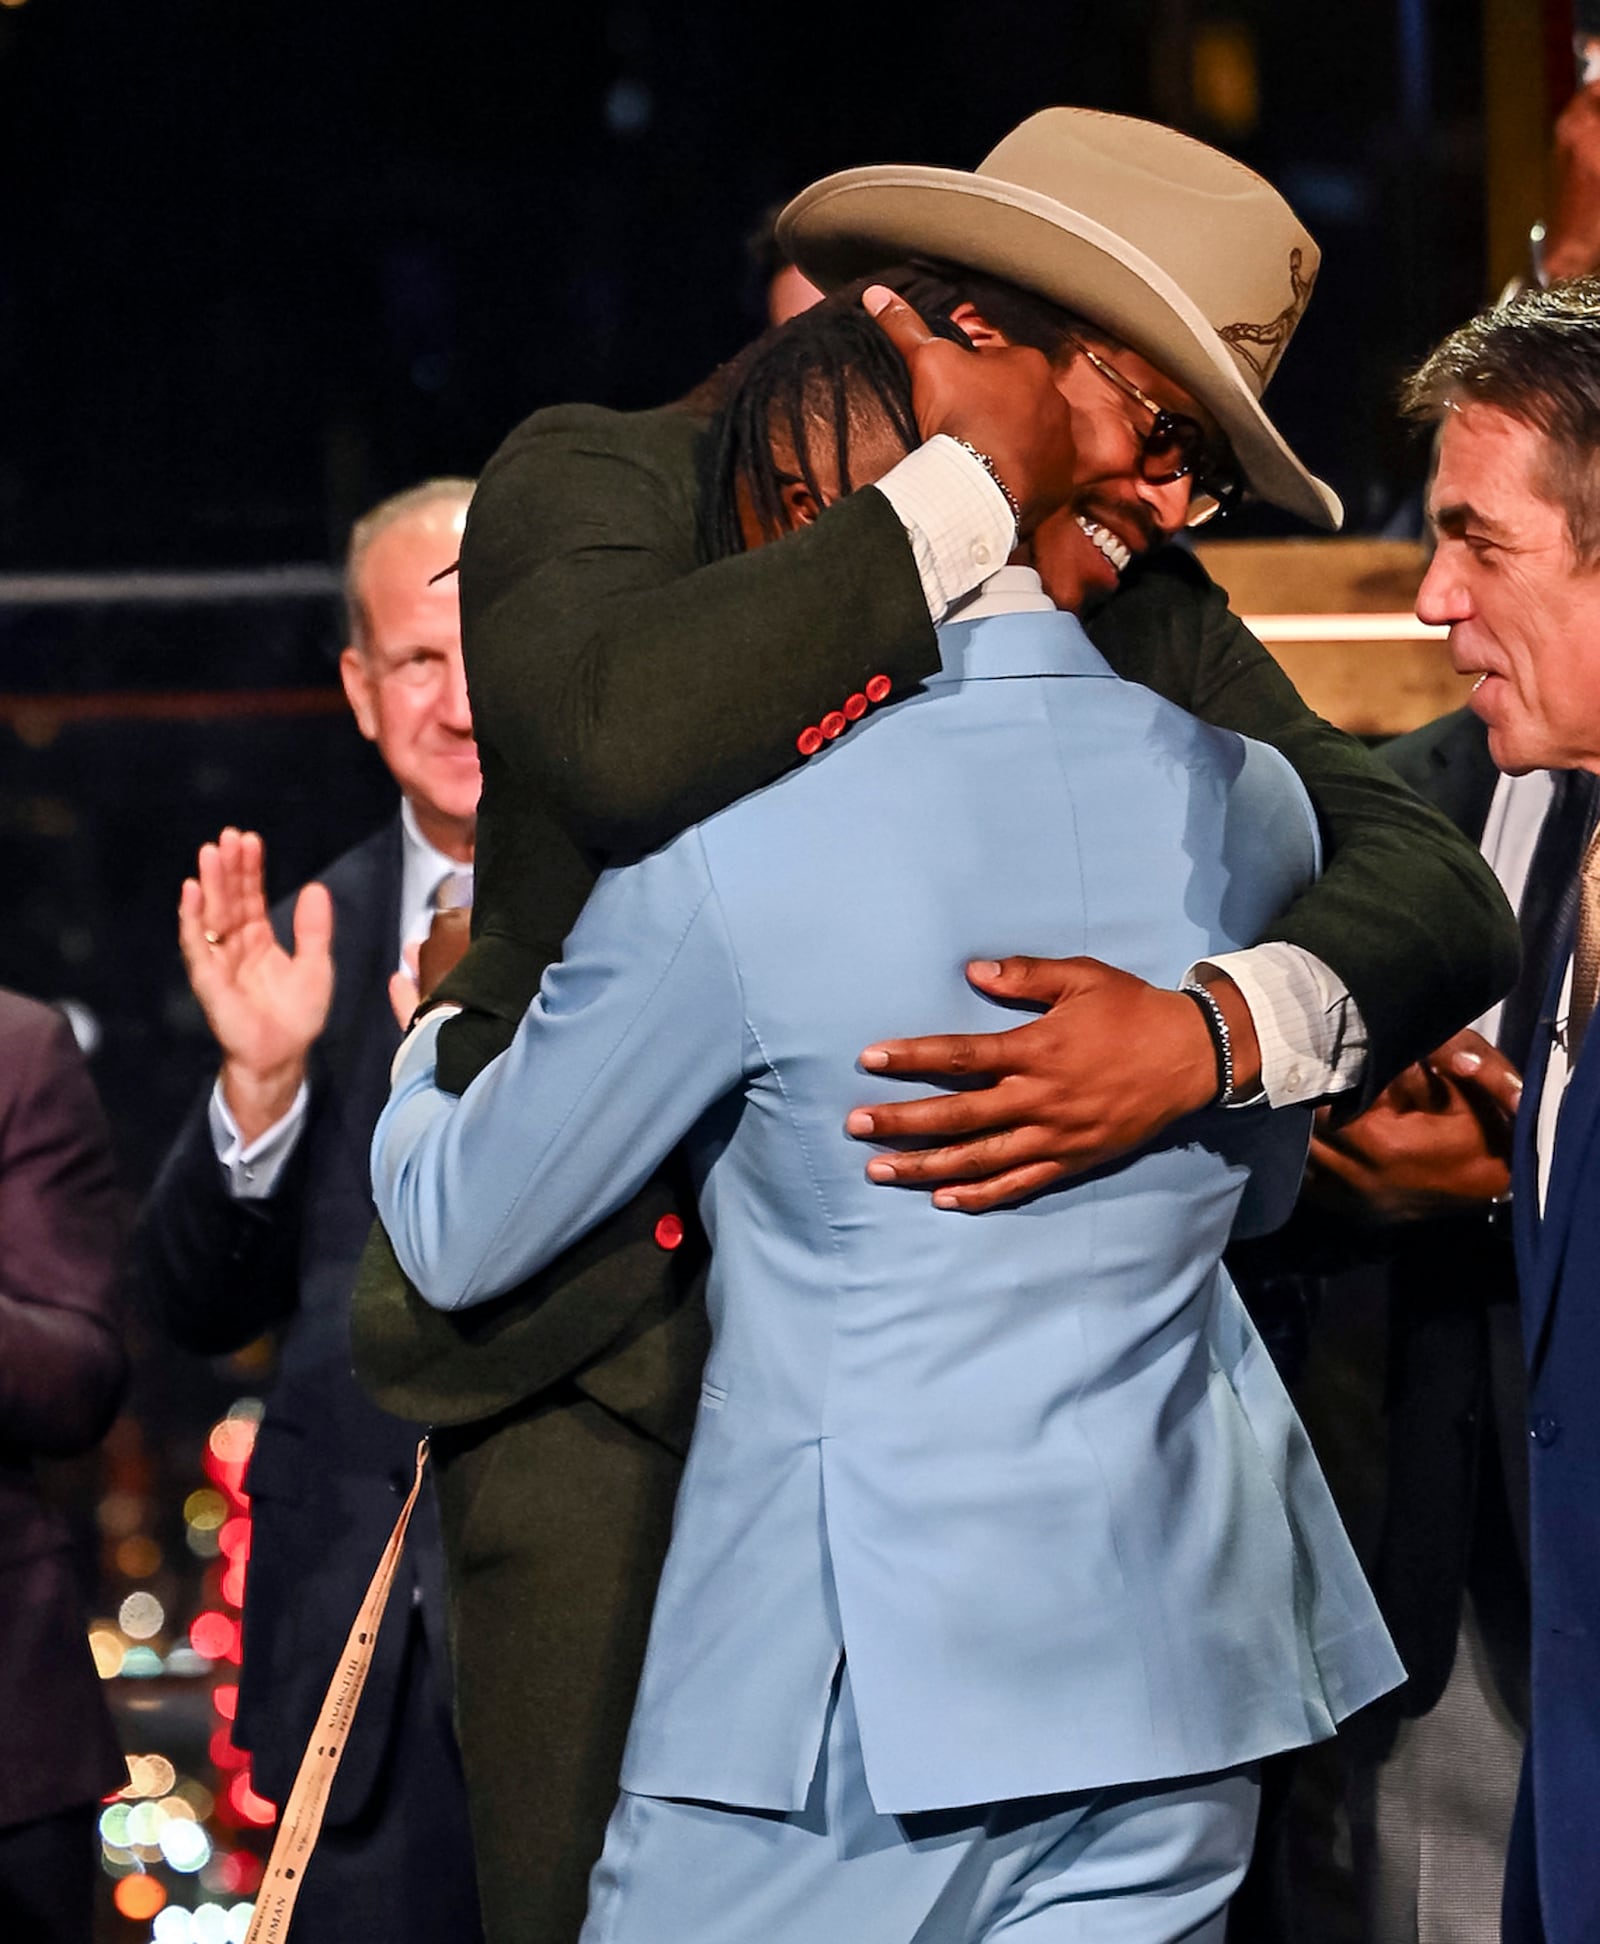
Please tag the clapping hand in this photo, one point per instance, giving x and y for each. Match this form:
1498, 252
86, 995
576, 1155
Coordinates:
265, 1006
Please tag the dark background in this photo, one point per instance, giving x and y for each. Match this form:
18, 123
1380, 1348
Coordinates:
260, 263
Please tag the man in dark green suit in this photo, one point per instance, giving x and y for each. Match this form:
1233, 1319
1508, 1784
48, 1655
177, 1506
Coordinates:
626, 683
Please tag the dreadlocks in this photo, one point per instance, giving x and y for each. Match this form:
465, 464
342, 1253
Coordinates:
804, 388
831, 369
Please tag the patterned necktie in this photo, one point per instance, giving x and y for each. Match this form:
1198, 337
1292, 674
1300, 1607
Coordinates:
453, 892
1586, 952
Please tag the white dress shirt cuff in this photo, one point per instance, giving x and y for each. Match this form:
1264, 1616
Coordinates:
420, 1045
255, 1168
955, 517
1312, 1037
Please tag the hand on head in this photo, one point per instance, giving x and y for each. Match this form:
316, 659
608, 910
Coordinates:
1003, 400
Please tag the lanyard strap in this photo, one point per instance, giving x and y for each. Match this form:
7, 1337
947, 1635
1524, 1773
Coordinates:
308, 1799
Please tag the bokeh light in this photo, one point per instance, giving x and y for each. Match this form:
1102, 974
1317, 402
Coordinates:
205, 1509
106, 1645
215, 1636
138, 1557
252, 1807
149, 1775
141, 1616
185, 1845
139, 1897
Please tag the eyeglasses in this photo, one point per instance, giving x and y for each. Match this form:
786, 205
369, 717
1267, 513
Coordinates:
1176, 447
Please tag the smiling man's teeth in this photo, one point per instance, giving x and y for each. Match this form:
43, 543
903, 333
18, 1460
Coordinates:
1108, 543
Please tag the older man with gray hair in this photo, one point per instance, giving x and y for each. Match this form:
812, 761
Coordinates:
1515, 504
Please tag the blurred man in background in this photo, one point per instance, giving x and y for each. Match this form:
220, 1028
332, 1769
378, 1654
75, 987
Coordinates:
63, 1370
258, 1218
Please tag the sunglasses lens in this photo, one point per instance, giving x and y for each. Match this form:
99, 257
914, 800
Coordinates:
1173, 448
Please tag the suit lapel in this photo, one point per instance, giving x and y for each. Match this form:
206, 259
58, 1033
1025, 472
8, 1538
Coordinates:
1541, 1239
366, 1033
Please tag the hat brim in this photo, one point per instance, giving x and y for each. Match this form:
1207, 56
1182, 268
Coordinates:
862, 220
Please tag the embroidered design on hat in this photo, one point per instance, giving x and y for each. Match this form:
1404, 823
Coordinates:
1272, 336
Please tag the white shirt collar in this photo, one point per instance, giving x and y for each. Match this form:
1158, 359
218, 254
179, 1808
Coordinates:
1011, 590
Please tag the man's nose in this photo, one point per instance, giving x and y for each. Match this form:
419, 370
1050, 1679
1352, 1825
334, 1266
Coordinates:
455, 709
1168, 503
1441, 599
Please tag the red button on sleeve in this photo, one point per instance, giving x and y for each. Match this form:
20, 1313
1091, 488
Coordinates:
878, 688
833, 724
669, 1232
809, 741
856, 707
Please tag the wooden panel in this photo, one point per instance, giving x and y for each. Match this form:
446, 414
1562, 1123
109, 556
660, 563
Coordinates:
1378, 677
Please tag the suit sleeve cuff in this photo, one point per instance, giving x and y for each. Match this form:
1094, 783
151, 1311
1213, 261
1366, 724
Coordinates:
253, 1169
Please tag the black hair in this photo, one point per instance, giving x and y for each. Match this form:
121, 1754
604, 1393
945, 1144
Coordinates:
826, 371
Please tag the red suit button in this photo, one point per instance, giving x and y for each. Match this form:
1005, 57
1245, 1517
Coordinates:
856, 707
809, 741
878, 688
833, 724
669, 1232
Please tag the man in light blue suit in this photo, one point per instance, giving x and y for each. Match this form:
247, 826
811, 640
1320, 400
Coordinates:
1000, 1557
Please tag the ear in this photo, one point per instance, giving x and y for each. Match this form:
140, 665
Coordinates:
358, 691
800, 505
977, 327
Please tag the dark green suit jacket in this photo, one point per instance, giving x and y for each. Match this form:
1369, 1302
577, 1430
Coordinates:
622, 689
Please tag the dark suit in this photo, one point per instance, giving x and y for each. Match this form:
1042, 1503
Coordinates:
1411, 1386
622, 689
1553, 1879
62, 1374
329, 1470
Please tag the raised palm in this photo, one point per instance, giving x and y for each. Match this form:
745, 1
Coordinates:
265, 1005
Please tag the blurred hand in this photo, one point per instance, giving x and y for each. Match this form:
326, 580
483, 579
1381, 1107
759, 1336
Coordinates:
1001, 399
1112, 1063
1437, 1141
445, 945
264, 1005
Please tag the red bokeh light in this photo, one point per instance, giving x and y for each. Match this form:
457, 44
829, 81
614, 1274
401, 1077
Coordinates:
225, 1699
215, 1635
234, 1538
252, 1807
233, 1584
225, 1754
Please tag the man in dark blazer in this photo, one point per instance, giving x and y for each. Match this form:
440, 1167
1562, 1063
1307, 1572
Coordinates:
670, 682
63, 1370
257, 1222
1409, 1207
1516, 577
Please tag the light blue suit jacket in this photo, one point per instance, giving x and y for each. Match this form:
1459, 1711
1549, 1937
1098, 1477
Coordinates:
1032, 1470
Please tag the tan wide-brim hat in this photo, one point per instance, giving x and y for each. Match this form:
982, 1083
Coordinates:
1180, 252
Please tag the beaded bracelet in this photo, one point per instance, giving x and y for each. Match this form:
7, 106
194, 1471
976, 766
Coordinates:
1221, 1039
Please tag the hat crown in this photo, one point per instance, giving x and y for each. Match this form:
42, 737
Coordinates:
1225, 237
